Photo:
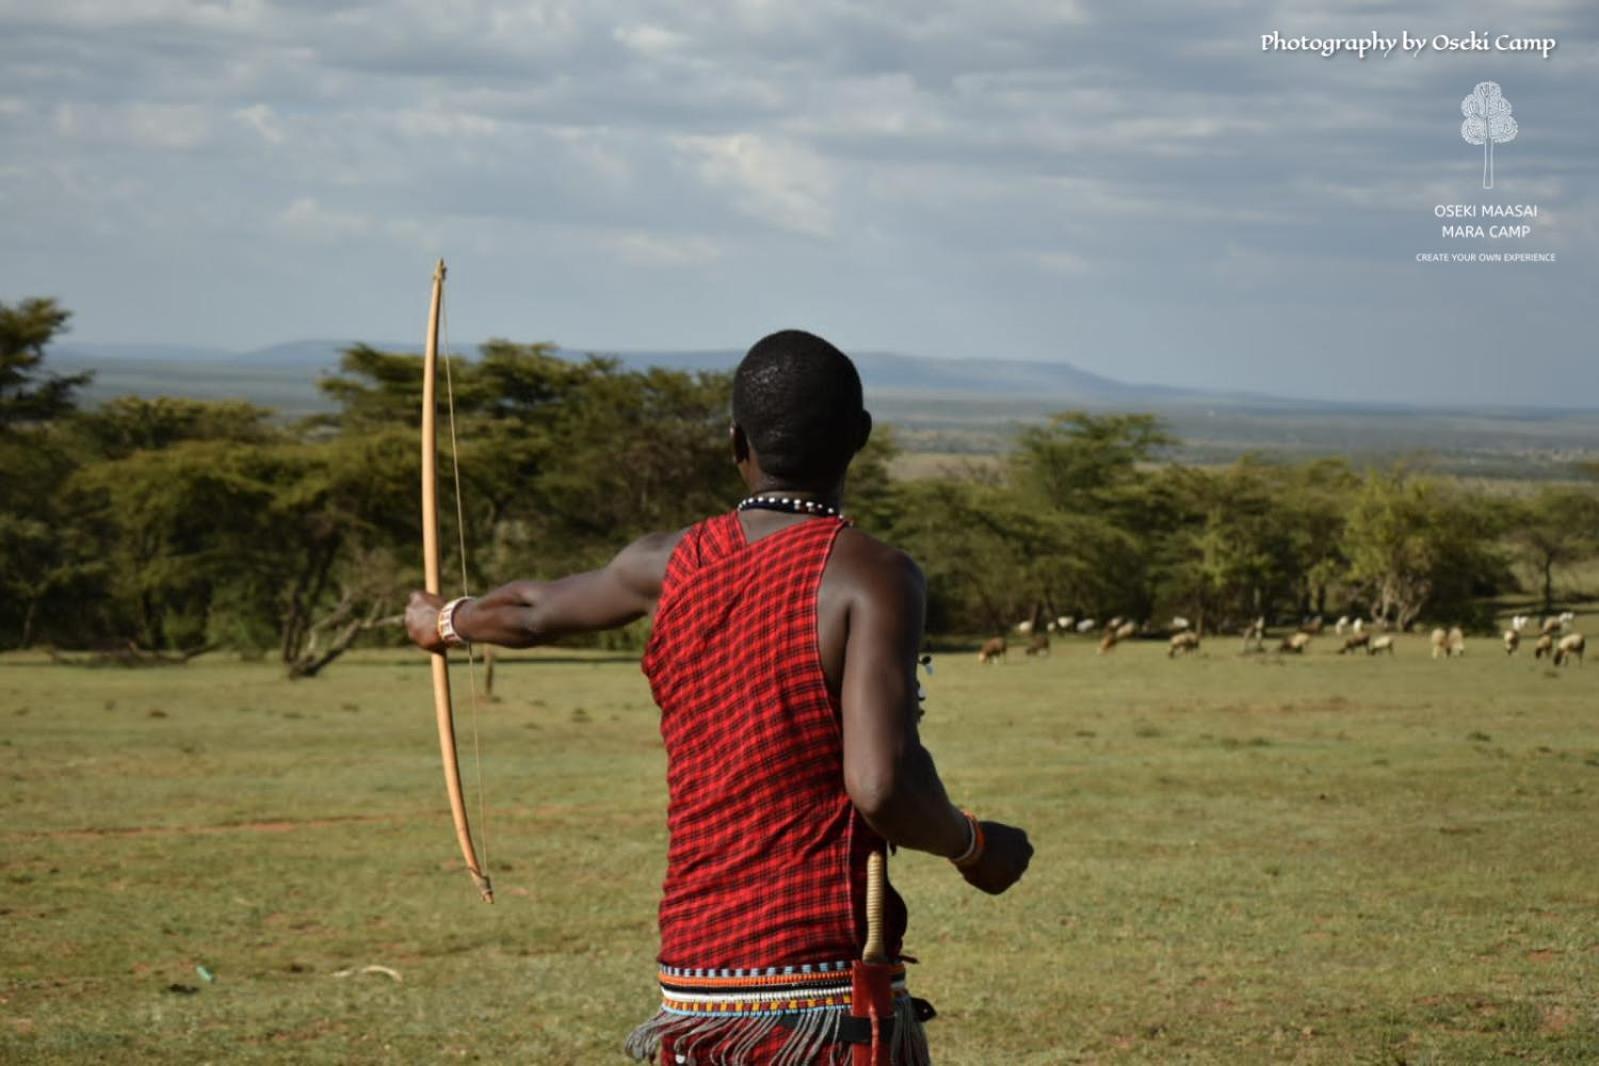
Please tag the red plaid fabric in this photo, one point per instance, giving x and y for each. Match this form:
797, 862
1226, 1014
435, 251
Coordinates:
767, 860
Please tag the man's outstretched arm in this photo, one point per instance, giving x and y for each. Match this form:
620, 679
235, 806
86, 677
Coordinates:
888, 773
524, 613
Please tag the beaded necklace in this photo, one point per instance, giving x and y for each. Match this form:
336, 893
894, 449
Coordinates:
789, 505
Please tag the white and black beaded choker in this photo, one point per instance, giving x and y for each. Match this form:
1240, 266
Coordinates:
789, 505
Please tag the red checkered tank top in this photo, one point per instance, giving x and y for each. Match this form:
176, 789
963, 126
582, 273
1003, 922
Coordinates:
766, 864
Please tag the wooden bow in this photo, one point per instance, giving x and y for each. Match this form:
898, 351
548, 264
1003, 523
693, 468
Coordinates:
430, 565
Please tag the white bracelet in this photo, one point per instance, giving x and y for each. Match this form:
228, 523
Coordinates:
446, 623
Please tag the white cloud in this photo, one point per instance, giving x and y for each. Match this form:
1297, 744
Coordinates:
1061, 261
161, 127
639, 248
109, 14
306, 218
439, 120
262, 119
778, 182
650, 40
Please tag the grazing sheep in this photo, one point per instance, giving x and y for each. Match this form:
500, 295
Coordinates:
1025, 626
1457, 641
1570, 644
1039, 645
1551, 625
1064, 623
1545, 646
1440, 642
1519, 622
1354, 642
1087, 625
1512, 641
1183, 643
1382, 643
1295, 642
991, 650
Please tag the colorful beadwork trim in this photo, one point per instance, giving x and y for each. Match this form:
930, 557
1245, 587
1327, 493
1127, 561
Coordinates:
723, 993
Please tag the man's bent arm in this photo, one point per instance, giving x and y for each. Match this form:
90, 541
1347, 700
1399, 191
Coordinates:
890, 776
524, 613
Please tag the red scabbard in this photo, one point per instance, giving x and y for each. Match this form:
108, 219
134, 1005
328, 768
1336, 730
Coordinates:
872, 996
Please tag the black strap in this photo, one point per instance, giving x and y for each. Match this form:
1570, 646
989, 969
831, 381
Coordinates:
852, 1030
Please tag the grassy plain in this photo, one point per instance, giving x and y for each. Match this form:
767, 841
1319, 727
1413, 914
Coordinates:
1240, 859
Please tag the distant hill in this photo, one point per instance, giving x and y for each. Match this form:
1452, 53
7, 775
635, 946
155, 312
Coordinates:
880, 371
955, 407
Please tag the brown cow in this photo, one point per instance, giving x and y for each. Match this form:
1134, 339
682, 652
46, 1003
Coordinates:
991, 650
1039, 645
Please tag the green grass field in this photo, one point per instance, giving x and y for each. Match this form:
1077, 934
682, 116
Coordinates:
1255, 859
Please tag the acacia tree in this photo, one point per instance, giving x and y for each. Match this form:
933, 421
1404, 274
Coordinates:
1088, 472
991, 555
27, 393
1231, 555
38, 563
1417, 544
1557, 528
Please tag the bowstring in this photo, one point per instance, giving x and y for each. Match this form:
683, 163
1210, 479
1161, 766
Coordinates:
460, 533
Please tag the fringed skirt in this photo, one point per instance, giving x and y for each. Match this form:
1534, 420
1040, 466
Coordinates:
781, 1016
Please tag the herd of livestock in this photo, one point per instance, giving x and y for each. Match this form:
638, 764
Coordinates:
1555, 637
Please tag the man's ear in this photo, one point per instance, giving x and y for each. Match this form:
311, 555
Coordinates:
866, 429
740, 443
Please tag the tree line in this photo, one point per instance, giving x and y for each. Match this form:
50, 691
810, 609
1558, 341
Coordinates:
153, 529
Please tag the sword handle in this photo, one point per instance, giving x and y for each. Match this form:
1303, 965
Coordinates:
876, 879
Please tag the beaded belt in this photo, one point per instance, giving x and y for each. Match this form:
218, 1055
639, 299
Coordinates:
724, 993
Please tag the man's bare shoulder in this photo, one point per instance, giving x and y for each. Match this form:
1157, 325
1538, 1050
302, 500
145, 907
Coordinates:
873, 567
642, 564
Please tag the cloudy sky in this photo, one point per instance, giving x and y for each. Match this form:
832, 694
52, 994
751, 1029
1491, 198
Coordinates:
1135, 188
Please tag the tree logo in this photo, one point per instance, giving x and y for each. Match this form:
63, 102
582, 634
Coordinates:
1487, 123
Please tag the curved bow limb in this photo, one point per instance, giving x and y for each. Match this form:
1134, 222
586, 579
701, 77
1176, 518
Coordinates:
442, 706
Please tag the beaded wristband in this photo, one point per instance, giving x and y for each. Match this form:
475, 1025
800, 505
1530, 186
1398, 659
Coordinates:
974, 851
446, 623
